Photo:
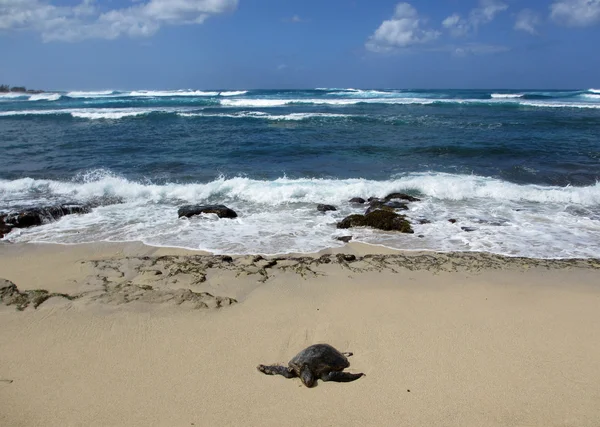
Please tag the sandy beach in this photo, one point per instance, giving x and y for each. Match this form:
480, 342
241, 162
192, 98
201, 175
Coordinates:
165, 337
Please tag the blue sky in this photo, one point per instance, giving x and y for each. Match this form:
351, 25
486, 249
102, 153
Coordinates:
218, 44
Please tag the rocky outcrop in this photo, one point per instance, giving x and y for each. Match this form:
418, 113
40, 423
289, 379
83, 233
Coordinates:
4, 228
326, 208
401, 196
358, 200
221, 211
344, 239
390, 206
379, 219
10, 295
38, 216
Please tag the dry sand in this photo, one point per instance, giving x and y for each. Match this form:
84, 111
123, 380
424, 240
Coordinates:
164, 337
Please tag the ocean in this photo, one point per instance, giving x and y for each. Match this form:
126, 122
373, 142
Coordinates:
519, 169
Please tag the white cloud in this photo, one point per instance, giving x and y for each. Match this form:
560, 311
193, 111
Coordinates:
576, 13
401, 31
527, 20
86, 20
484, 14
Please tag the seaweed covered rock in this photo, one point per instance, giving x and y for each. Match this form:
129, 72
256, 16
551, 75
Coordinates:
10, 295
401, 196
38, 216
325, 208
221, 211
379, 219
390, 206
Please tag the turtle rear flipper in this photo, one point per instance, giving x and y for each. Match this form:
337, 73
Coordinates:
277, 370
340, 377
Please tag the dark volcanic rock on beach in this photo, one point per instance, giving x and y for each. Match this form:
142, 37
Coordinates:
325, 208
38, 216
344, 239
221, 211
401, 196
379, 219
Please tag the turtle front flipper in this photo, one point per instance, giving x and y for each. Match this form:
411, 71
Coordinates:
340, 377
277, 370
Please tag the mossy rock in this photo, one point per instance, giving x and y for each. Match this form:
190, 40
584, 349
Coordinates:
379, 219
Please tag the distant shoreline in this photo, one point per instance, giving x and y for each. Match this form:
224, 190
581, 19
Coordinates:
19, 89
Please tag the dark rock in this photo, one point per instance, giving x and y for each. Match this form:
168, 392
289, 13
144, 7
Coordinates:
325, 208
371, 199
424, 221
4, 228
346, 257
396, 205
379, 219
344, 239
38, 216
221, 211
420, 236
401, 196
452, 221
226, 258
468, 229
324, 259
390, 206
352, 221
378, 207
358, 200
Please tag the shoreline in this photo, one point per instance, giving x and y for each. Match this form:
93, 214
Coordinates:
129, 334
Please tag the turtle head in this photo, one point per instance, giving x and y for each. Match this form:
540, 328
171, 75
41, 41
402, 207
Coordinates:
307, 377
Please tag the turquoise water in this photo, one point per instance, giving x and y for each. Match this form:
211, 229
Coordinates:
520, 167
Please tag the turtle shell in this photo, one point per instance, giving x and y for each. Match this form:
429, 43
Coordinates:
319, 358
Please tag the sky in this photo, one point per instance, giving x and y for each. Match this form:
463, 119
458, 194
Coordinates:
249, 44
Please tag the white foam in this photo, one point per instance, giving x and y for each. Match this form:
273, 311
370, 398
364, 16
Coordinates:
440, 186
552, 104
233, 93
45, 97
280, 216
11, 95
92, 94
594, 90
267, 116
158, 93
94, 113
109, 115
506, 95
592, 96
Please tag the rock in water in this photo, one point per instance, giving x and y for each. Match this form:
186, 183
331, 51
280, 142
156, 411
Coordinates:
325, 208
379, 219
4, 228
38, 216
220, 210
358, 200
401, 196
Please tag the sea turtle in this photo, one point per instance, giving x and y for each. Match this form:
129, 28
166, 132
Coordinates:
314, 362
